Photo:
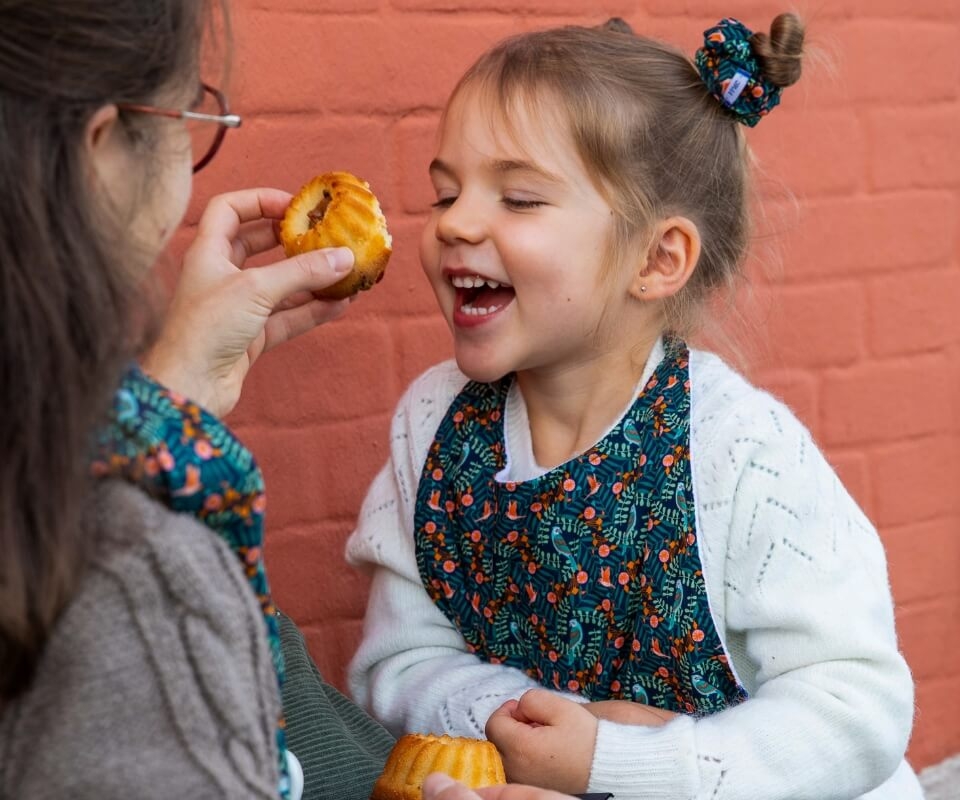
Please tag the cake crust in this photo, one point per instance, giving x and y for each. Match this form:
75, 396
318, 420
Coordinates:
474, 762
338, 209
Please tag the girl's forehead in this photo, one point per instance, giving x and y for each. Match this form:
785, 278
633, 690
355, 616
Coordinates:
522, 126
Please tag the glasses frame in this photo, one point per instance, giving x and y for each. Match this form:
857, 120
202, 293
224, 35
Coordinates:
224, 120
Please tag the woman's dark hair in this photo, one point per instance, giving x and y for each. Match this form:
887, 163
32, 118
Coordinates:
67, 291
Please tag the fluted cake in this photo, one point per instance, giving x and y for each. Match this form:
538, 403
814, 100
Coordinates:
473, 762
337, 209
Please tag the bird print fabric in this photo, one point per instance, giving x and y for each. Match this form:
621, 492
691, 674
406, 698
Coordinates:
588, 578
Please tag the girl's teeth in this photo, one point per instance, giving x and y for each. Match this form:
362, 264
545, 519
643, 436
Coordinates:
474, 282
476, 311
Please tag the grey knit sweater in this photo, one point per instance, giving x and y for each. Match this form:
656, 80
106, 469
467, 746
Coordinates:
157, 681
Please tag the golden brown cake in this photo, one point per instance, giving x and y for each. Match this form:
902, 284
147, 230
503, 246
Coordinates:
473, 762
338, 209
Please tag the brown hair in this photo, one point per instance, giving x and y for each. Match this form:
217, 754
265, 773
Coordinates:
67, 292
644, 123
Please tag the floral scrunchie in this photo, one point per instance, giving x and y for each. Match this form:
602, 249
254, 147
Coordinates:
732, 73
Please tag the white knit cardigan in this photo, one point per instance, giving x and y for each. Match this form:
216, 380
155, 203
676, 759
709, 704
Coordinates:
797, 584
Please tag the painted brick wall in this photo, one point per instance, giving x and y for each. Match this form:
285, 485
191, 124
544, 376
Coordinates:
862, 331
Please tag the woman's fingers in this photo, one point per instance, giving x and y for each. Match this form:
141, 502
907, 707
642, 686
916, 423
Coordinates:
295, 301
438, 786
515, 791
307, 272
225, 213
253, 238
285, 325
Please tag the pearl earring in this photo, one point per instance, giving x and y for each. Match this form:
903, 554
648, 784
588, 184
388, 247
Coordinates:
643, 288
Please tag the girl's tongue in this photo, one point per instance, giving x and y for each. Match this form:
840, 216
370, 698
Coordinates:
483, 297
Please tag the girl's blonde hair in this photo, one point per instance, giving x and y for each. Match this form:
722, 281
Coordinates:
645, 126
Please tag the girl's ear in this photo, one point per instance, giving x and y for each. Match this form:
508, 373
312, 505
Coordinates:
671, 258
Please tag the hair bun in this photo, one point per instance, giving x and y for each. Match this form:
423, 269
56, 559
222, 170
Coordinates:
617, 25
780, 52
747, 71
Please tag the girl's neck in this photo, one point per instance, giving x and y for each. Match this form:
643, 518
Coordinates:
571, 408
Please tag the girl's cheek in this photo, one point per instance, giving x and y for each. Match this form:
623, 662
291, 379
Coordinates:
429, 247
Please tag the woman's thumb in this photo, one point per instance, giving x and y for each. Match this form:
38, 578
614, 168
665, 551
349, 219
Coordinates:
340, 259
304, 272
438, 786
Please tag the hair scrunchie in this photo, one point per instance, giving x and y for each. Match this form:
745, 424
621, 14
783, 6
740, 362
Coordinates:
733, 74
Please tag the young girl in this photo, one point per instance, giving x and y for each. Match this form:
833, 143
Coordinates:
581, 502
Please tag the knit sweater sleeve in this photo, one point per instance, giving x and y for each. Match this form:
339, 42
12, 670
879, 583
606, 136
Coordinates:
807, 616
157, 681
412, 670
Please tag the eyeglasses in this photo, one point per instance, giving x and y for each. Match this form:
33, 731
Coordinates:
205, 139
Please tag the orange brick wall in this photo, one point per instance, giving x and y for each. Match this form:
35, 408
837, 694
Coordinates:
861, 317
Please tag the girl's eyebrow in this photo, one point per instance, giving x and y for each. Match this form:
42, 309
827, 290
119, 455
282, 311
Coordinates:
440, 166
511, 165
501, 166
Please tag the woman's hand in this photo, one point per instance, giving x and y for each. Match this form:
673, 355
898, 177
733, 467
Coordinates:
545, 740
442, 787
223, 317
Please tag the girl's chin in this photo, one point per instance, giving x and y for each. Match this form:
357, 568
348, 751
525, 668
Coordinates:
479, 369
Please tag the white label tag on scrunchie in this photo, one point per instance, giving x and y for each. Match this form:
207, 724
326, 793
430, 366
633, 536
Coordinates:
736, 86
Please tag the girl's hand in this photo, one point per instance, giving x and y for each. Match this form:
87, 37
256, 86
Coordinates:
545, 740
626, 712
442, 787
223, 317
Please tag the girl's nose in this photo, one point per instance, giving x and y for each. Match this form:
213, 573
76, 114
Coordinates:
461, 221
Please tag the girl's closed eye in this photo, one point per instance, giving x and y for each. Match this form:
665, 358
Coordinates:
510, 202
517, 203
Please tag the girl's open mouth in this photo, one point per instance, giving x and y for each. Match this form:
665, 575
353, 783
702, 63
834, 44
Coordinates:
480, 297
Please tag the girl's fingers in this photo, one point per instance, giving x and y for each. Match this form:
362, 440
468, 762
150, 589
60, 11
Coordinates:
509, 708
503, 728
543, 707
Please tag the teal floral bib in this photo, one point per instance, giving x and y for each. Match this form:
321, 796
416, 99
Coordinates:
588, 578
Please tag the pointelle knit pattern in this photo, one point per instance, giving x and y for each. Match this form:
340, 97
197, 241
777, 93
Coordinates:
798, 590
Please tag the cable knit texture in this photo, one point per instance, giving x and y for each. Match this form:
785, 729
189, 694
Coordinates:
157, 681
797, 583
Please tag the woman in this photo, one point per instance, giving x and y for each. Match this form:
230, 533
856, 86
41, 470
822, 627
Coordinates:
133, 654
